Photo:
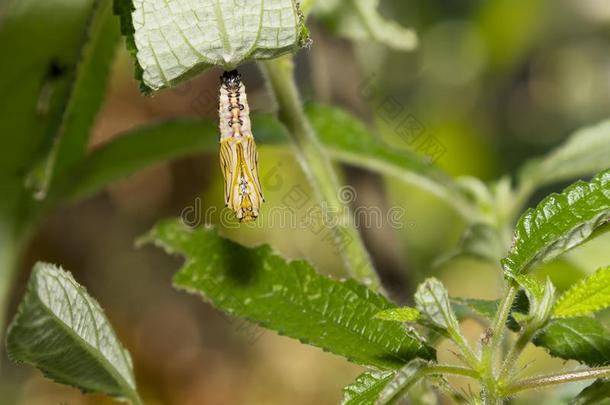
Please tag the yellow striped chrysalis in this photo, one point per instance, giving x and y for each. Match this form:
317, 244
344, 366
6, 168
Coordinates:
238, 157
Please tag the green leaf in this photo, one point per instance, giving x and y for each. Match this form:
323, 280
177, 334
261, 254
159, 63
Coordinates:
86, 95
582, 339
583, 154
62, 331
367, 388
404, 314
289, 297
433, 303
593, 394
401, 382
38, 82
465, 306
133, 151
587, 297
144, 146
173, 41
559, 223
541, 297
361, 21
348, 140
344, 137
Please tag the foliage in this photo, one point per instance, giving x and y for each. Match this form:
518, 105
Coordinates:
62, 331
289, 297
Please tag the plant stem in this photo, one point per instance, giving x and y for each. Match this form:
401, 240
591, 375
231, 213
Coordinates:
559, 378
515, 352
453, 370
489, 379
471, 359
319, 171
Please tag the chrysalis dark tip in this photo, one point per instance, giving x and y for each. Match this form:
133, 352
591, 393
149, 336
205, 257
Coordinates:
231, 79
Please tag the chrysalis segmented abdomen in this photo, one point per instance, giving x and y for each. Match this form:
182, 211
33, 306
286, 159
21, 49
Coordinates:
238, 157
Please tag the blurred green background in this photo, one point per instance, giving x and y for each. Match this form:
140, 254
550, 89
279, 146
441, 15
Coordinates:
492, 82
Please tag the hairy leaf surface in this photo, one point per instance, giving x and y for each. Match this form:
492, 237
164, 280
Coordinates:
367, 388
289, 297
174, 40
559, 223
590, 295
62, 331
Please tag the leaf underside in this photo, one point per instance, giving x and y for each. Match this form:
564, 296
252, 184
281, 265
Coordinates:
365, 390
288, 297
559, 223
174, 40
62, 331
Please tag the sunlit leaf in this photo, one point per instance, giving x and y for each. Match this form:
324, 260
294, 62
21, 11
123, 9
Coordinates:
173, 41
62, 331
289, 297
559, 223
590, 295
404, 314
367, 387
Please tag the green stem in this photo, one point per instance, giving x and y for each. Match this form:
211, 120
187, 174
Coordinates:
515, 352
471, 359
319, 171
489, 379
441, 369
560, 378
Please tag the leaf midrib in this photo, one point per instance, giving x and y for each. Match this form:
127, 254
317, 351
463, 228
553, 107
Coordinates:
91, 350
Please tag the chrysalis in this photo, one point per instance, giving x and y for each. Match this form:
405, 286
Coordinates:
238, 157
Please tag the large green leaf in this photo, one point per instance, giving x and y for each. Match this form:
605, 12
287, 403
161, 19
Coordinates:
585, 153
559, 223
289, 297
174, 40
41, 39
348, 140
590, 295
367, 388
40, 43
86, 96
581, 339
144, 146
62, 331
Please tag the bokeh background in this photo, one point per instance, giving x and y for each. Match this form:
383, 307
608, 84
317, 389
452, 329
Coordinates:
494, 82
